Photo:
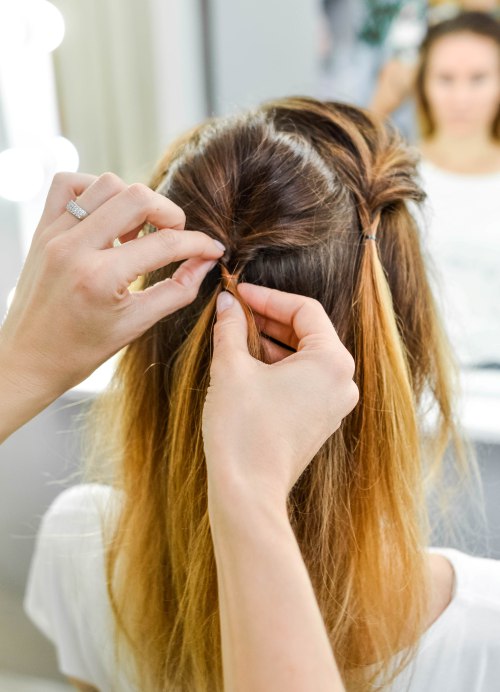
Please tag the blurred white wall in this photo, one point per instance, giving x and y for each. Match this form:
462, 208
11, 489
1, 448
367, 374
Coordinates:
10, 245
262, 50
179, 66
106, 87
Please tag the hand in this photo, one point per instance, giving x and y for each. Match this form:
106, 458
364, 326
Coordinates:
72, 309
264, 422
395, 83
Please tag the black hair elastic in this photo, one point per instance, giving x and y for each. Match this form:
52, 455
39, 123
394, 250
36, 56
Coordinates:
369, 237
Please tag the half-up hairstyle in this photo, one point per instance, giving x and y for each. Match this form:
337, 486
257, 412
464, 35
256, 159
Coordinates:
312, 198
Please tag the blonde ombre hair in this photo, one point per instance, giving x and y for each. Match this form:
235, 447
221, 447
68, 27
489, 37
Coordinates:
289, 188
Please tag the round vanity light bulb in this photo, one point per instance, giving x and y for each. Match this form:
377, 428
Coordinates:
13, 29
21, 174
64, 155
45, 25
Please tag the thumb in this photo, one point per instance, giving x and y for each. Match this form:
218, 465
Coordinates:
231, 327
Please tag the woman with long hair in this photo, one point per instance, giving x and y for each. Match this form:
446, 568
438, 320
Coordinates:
458, 98
396, 79
133, 578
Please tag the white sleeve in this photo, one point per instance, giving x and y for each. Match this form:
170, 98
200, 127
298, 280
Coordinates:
55, 597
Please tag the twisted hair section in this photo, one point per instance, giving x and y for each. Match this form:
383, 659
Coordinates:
291, 189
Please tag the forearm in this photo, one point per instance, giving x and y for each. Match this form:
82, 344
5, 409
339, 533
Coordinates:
394, 84
273, 634
22, 392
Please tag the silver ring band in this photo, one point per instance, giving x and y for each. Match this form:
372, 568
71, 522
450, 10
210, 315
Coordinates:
76, 210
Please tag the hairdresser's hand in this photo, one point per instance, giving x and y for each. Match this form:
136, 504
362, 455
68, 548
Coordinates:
72, 309
263, 423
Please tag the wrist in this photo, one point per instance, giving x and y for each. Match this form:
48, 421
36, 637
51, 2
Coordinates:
24, 392
238, 504
27, 372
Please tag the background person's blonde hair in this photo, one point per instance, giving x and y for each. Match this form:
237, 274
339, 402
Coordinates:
289, 188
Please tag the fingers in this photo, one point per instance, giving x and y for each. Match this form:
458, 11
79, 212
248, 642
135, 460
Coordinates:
65, 186
295, 320
107, 186
230, 330
90, 197
189, 271
116, 210
156, 250
169, 295
127, 211
278, 331
274, 352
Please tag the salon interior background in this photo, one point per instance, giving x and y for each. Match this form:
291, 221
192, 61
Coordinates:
105, 85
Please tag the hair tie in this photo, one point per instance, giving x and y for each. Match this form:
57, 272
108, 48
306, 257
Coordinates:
372, 231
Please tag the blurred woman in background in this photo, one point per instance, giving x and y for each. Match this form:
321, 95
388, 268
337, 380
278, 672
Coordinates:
395, 82
458, 95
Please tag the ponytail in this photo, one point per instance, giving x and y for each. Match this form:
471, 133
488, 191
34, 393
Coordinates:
388, 478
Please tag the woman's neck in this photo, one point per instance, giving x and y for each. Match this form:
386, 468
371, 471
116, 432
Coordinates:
475, 154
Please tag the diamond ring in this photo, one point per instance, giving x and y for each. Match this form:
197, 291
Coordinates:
76, 210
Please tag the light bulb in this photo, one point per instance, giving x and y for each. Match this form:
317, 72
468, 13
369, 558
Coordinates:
62, 155
29, 24
13, 29
21, 174
45, 25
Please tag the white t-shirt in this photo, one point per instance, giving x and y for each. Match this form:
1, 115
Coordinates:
67, 599
462, 215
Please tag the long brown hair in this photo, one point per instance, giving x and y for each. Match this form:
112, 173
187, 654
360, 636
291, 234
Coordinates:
477, 23
289, 188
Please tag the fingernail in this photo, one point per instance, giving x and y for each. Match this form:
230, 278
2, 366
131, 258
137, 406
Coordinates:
220, 245
224, 301
210, 265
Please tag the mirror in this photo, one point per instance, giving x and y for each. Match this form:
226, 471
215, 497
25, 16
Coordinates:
105, 85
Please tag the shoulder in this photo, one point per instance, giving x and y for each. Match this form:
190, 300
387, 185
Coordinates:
74, 531
476, 578
70, 545
77, 511
82, 498
66, 594
71, 535
460, 651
